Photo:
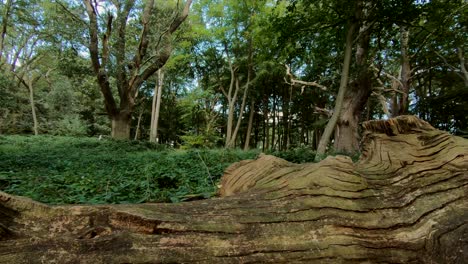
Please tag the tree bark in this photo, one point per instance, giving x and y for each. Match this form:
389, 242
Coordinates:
405, 70
250, 125
266, 125
463, 69
121, 126
404, 201
137, 131
155, 107
6, 16
33, 106
231, 96
358, 92
325, 138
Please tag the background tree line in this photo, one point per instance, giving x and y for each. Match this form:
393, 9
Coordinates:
265, 74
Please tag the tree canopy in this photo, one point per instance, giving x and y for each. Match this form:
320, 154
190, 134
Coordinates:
260, 74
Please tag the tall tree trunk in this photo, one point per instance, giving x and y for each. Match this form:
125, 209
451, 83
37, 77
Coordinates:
249, 126
137, 131
405, 70
241, 113
404, 201
231, 96
156, 106
325, 138
463, 69
394, 105
266, 125
285, 109
273, 124
6, 16
358, 92
33, 105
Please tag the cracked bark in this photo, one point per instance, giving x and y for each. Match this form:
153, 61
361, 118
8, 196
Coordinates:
404, 201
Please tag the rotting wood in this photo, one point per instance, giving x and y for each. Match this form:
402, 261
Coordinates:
404, 201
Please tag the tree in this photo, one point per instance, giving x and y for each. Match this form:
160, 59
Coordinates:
114, 56
228, 57
325, 139
20, 45
405, 201
158, 88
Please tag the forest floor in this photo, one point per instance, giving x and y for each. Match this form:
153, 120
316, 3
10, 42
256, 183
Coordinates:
71, 170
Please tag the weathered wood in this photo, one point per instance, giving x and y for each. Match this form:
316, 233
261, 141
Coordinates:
405, 201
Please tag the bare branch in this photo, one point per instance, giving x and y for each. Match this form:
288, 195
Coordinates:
102, 75
75, 17
461, 57
295, 82
156, 64
105, 40
383, 102
178, 21
323, 111
386, 74
143, 45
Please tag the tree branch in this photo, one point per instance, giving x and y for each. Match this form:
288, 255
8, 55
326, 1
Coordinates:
102, 75
141, 75
295, 82
178, 21
122, 80
105, 40
461, 57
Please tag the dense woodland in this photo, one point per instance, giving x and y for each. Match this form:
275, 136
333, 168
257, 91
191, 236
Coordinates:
265, 74
116, 106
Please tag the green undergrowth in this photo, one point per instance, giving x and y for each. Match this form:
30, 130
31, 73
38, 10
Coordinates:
66, 170
296, 155
306, 155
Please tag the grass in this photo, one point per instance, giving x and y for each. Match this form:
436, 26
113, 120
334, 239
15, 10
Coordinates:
66, 170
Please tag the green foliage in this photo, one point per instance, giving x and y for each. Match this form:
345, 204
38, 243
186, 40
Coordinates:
194, 141
199, 141
70, 125
66, 170
296, 155
307, 154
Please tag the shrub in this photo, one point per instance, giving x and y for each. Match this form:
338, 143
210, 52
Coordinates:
296, 155
67, 170
70, 125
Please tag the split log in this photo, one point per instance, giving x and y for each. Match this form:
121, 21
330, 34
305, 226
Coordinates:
404, 201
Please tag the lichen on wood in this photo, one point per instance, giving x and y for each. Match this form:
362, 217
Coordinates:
404, 201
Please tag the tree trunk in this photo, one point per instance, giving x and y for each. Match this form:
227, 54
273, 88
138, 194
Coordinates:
121, 126
358, 92
325, 138
273, 124
266, 125
405, 70
347, 132
6, 16
241, 113
463, 69
404, 201
137, 131
33, 106
249, 126
155, 107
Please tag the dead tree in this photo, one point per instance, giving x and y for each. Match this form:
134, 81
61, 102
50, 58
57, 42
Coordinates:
404, 201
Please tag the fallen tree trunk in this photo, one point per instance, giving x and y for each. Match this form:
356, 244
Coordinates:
405, 201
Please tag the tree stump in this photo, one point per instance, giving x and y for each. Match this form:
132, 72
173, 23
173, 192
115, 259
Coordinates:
404, 201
